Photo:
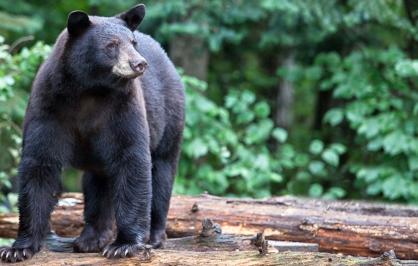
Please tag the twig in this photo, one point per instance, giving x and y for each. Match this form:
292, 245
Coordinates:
19, 42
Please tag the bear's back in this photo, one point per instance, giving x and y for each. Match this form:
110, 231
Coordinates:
162, 87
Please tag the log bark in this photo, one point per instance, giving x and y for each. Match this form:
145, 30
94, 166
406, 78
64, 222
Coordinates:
355, 228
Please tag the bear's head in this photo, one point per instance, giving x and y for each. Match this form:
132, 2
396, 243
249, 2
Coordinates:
104, 49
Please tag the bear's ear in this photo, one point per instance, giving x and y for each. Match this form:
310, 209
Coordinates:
77, 22
133, 16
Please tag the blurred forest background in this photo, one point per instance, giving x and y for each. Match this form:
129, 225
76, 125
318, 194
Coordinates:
316, 98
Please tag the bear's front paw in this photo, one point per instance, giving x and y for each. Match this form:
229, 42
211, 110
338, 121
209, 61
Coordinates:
8, 254
114, 250
92, 241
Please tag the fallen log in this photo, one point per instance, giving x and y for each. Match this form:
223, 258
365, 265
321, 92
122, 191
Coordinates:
195, 258
211, 247
355, 228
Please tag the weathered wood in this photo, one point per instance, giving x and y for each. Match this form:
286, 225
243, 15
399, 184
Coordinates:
211, 247
209, 239
356, 228
362, 229
194, 258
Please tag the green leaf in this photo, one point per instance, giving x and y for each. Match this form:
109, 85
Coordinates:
413, 163
331, 157
370, 128
276, 177
316, 146
262, 109
315, 190
407, 68
280, 134
334, 116
370, 175
316, 167
337, 192
395, 142
257, 133
415, 110
197, 148
394, 187
338, 148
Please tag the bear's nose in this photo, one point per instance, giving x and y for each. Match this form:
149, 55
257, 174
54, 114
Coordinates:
139, 66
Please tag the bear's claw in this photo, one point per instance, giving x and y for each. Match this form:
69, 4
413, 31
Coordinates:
126, 250
8, 254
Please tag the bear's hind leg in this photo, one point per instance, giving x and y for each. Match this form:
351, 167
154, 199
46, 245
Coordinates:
162, 183
163, 173
97, 232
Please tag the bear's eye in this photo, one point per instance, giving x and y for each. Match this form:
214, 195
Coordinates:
133, 42
112, 45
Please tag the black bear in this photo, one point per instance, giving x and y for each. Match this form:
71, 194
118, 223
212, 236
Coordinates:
107, 101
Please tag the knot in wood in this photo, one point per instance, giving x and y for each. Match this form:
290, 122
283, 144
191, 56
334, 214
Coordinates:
261, 243
209, 228
195, 207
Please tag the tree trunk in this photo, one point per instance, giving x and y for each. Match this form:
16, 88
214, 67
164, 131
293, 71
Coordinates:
285, 97
356, 228
411, 8
191, 54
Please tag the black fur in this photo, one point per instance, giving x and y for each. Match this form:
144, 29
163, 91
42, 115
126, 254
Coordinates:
122, 128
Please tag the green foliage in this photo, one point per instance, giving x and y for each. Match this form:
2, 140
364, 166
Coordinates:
235, 149
380, 106
209, 20
314, 172
224, 146
16, 74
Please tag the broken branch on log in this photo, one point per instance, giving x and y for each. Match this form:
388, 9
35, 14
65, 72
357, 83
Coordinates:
356, 228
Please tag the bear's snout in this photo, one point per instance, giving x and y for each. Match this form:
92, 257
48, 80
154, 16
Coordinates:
130, 64
138, 66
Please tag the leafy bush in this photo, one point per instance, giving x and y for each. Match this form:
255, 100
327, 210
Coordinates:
16, 74
224, 150
381, 106
235, 149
